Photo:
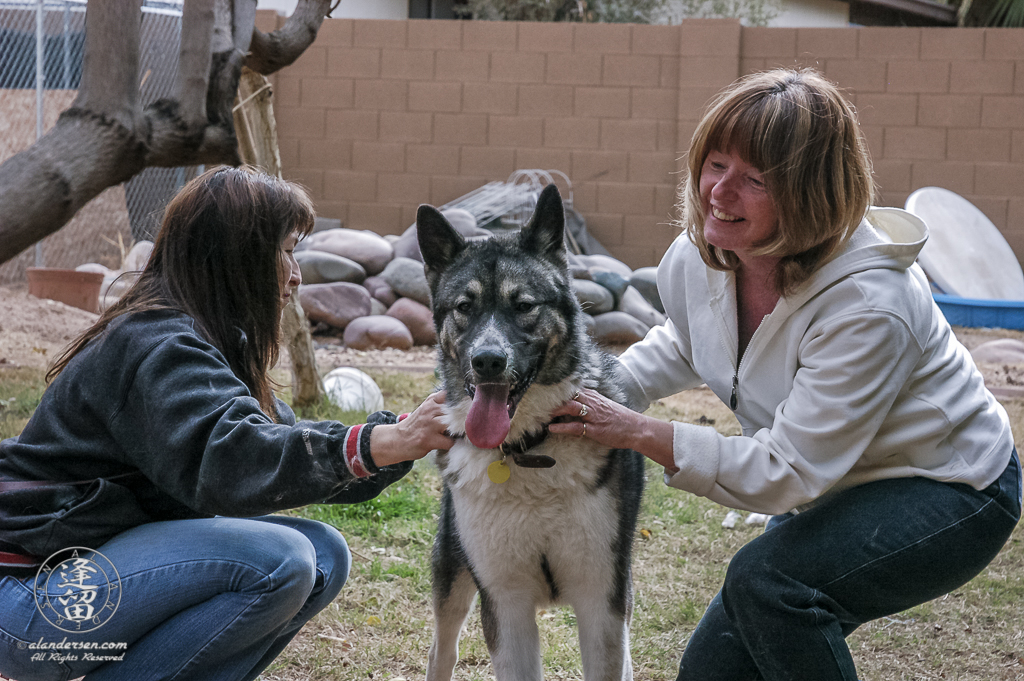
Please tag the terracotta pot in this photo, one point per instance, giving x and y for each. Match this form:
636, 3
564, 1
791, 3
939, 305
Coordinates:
71, 287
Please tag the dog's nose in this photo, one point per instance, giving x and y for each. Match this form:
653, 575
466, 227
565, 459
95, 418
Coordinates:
489, 363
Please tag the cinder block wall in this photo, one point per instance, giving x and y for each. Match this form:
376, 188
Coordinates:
379, 116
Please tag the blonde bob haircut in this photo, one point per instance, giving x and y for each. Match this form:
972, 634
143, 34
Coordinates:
798, 130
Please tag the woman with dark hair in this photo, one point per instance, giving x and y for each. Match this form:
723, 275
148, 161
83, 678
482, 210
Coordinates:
160, 445
866, 428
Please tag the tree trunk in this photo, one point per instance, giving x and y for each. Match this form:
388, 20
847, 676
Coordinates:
257, 143
105, 137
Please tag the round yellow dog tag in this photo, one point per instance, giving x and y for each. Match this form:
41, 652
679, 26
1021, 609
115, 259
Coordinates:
498, 471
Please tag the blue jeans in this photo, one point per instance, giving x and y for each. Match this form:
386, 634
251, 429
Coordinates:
214, 598
793, 594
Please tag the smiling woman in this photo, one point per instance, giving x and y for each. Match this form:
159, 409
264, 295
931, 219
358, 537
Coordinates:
866, 428
740, 213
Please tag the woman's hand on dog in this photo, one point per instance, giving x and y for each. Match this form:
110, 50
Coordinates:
606, 422
423, 431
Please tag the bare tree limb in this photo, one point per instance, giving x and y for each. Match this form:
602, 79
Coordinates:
110, 68
193, 76
105, 137
244, 21
270, 52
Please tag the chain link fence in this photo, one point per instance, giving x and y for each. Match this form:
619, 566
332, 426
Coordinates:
41, 49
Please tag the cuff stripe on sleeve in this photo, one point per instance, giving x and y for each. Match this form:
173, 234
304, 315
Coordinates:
354, 453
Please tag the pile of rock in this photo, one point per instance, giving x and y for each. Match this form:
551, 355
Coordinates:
116, 282
372, 289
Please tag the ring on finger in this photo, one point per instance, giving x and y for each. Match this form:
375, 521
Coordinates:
584, 411
584, 430
575, 395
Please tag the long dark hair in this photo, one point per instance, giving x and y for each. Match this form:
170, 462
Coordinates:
217, 258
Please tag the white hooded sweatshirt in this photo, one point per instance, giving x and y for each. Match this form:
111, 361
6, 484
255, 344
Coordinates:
854, 377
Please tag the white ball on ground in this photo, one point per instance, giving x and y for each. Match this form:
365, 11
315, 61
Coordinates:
352, 390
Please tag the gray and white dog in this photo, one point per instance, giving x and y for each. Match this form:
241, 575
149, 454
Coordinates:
527, 519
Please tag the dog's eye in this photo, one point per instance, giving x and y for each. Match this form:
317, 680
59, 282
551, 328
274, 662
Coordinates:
464, 306
525, 307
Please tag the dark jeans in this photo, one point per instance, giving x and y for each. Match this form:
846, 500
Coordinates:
792, 595
205, 600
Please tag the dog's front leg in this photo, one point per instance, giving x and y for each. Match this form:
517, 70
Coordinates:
510, 628
450, 611
604, 642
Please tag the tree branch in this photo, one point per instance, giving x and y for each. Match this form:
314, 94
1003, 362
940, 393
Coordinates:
244, 21
270, 52
104, 138
197, 126
43, 187
194, 60
110, 68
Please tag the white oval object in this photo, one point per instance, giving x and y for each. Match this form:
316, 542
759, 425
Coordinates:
352, 390
965, 255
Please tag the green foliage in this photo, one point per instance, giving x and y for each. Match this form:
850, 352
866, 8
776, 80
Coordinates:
994, 13
749, 12
325, 410
20, 392
606, 11
408, 501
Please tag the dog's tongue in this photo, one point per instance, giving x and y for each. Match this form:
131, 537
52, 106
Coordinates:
487, 424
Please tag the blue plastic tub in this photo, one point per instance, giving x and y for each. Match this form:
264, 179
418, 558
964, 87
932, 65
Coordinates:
975, 313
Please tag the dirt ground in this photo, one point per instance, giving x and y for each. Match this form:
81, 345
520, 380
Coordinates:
33, 331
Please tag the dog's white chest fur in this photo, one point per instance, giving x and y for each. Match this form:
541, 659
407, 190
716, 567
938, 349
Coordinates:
558, 515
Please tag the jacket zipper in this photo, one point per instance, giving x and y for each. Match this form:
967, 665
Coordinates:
734, 399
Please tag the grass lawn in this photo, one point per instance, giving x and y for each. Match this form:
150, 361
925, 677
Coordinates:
380, 626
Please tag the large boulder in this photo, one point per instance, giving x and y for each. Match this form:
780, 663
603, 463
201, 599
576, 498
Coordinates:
406, 278
417, 317
138, 256
408, 246
376, 332
577, 270
115, 282
334, 304
594, 298
370, 250
634, 304
1001, 351
645, 280
612, 281
380, 290
606, 262
321, 267
618, 328
588, 323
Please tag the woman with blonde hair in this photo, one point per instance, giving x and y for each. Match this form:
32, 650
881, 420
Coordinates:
866, 428
160, 445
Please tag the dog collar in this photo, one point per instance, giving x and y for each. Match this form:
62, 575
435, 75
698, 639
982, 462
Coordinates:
517, 450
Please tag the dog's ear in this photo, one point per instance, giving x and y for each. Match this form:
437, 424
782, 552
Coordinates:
545, 233
439, 242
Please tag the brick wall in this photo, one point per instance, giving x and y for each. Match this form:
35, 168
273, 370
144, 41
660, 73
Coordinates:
939, 106
379, 116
